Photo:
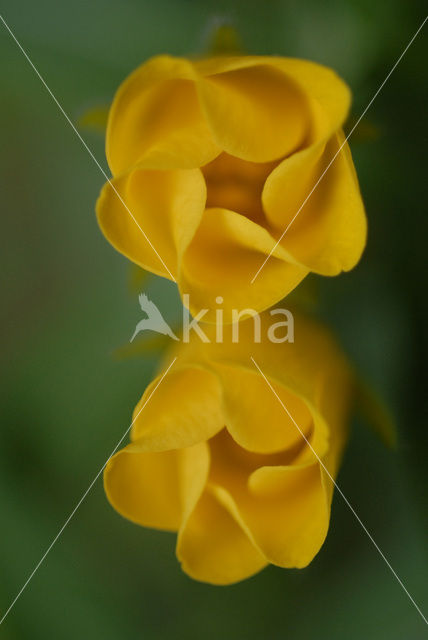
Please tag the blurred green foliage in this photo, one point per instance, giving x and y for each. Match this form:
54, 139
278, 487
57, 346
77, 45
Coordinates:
67, 307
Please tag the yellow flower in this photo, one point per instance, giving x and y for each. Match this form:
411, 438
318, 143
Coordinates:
216, 456
214, 158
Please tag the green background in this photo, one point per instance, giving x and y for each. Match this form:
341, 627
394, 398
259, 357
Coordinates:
67, 306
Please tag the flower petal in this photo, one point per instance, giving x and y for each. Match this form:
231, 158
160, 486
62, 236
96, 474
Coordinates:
254, 416
156, 117
144, 487
221, 64
256, 113
151, 216
287, 186
225, 253
328, 96
213, 547
328, 234
194, 470
287, 511
186, 409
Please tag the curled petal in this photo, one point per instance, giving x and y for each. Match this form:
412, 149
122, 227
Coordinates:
151, 216
156, 118
328, 96
256, 113
255, 418
131, 489
224, 255
328, 234
287, 510
213, 547
186, 409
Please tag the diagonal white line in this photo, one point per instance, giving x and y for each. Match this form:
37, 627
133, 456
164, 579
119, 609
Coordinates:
84, 143
18, 595
340, 149
340, 491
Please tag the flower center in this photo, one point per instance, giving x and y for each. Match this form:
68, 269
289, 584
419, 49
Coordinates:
232, 463
237, 185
